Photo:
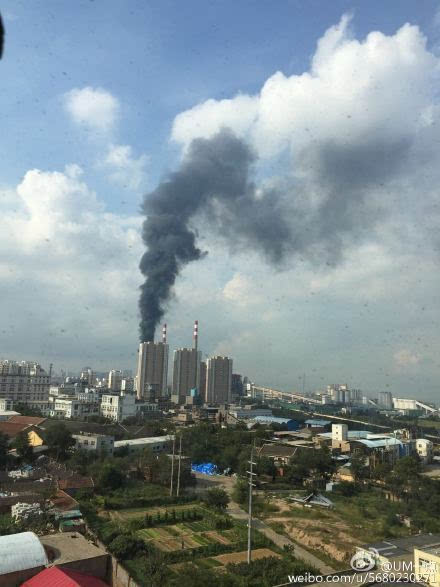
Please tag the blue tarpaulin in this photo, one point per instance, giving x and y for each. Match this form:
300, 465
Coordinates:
206, 468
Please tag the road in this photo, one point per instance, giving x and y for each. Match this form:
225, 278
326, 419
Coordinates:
234, 510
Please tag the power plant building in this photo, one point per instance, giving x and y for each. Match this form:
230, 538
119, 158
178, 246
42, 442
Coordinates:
151, 379
218, 380
186, 373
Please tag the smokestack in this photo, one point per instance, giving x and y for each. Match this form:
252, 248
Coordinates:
164, 334
196, 334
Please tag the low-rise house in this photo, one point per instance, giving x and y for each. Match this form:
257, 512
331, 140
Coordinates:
66, 407
281, 454
94, 442
427, 564
424, 449
22, 556
396, 551
71, 485
12, 429
118, 407
157, 444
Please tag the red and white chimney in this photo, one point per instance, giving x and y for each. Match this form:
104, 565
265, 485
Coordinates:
164, 333
196, 334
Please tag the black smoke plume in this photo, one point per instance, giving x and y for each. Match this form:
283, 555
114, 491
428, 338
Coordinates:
316, 218
213, 178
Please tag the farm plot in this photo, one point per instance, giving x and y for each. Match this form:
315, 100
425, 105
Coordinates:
184, 535
133, 513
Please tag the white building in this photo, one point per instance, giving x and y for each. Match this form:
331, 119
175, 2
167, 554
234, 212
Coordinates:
424, 449
157, 444
66, 407
339, 432
114, 380
6, 404
404, 404
118, 407
94, 442
23, 382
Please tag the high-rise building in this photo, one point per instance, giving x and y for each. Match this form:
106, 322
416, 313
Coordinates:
218, 380
23, 382
202, 386
89, 376
127, 384
236, 385
151, 378
114, 380
186, 373
385, 400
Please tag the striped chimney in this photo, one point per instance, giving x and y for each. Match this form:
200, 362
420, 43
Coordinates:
196, 333
164, 333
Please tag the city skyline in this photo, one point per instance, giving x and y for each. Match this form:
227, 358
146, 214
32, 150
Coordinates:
358, 302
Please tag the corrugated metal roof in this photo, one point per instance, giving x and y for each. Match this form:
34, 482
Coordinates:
21, 551
318, 422
379, 443
273, 419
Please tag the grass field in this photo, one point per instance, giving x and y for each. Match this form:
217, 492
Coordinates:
334, 533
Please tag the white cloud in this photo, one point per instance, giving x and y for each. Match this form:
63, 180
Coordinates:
68, 272
353, 90
126, 169
95, 108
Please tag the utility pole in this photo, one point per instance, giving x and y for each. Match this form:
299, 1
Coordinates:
172, 466
178, 465
251, 484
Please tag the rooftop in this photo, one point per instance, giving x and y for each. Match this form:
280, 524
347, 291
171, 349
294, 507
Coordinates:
55, 576
75, 482
11, 429
277, 450
313, 422
71, 546
400, 546
27, 420
21, 551
141, 441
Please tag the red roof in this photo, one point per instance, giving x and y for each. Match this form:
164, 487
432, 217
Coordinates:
28, 420
11, 429
57, 577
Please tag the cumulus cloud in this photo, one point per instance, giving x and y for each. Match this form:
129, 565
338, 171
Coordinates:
94, 108
125, 169
68, 271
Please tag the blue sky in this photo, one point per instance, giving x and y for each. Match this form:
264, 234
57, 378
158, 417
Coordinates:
159, 58
372, 321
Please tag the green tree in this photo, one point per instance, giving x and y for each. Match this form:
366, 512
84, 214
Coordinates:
59, 441
124, 546
110, 477
240, 491
4, 448
216, 498
23, 447
357, 466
